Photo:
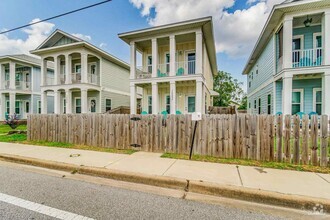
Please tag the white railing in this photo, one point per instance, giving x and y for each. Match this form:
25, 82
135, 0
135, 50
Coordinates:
93, 78
143, 72
50, 81
62, 78
6, 84
163, 70
76, 77
185, 68
23, 85
307, 58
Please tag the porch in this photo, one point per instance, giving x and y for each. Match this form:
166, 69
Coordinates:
15, 103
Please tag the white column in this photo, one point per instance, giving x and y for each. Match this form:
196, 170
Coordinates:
133, 61
133, 99
287, 42
199, 52
287, 95
154, 57
84, 101
2, 106
68, 100
326, 37
155, 98
274, 97
12, 73
2, 75
68, 69
173, 97
44, 103
43, 72
57, 102
12, 103
57, 68
172, 55
84, 68
199, 96
326, 94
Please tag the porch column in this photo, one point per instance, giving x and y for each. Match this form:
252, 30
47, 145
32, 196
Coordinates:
57, 102
155, 98
274, 98
44, 103
84, 68
199, 52
173, 97
12, 73
154, 57
2, 75
12, 103
2, 106
133, 61
326, 37
43, 72
287, 95
172, 55
326, 94
68, 101
133, 99
68, 69
199, 96
287, 42
84, 102
57, 68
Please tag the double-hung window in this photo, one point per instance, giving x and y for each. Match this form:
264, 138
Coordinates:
317, 100
107, 105
297, 101
269, 104
150, 104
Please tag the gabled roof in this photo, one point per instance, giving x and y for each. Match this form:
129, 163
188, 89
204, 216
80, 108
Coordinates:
273, 22
22, 58
205, 23
60, 40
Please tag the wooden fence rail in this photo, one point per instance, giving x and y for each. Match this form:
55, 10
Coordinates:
258, 137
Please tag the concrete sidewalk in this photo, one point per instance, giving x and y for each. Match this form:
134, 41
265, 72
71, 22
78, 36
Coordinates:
271, 180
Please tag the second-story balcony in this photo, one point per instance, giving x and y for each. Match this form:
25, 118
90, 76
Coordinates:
19, 85
307, 58
143, 72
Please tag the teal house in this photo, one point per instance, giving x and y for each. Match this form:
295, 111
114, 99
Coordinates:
288, 71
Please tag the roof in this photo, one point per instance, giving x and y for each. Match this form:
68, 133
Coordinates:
23, 58
205, 22
50, 45
273, 21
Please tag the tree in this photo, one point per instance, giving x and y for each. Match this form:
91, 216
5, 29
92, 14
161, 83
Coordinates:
243, 105
229, 89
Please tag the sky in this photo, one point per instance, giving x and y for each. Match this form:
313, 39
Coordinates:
237, 24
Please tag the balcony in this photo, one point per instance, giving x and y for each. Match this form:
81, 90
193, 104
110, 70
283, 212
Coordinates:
307, 58
76, 77
6, 84
185, 68
93, 79
143, 72
50, 81
163, 70
23, 85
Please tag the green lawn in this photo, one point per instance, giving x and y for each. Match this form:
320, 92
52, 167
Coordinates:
275, 165
4, 129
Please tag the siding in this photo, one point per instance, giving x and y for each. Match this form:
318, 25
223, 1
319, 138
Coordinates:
36, 79
279, 87
308, 34
116, 100
263, 94
265, 66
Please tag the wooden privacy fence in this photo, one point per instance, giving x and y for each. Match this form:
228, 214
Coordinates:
258, 137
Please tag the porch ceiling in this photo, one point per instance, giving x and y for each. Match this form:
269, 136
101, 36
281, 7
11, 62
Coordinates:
299, 21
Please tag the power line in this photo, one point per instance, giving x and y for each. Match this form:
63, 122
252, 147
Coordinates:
57, 16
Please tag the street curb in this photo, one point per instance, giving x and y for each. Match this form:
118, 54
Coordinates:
235, 192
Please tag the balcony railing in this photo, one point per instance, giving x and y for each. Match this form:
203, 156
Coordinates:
7, 84
62, 78
163, 70
76, 77
50, 81
93, 79
23, 85
307, 58
143, 72
185, 68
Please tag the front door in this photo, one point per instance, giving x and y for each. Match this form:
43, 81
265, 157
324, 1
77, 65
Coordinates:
26, 109
190, 104
191, 58
92, 105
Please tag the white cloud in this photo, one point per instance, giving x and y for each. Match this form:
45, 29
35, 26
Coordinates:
83, 37
36, 34
235, 33
103, 45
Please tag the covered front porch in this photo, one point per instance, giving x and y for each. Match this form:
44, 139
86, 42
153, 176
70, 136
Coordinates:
303, 94
15, 103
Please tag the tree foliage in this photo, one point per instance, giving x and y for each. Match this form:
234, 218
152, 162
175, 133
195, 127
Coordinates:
229, 89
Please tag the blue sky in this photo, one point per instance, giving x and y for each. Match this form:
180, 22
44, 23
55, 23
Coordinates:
104, 22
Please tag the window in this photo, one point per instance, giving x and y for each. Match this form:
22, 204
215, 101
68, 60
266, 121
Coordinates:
7, 107
318, 47
250, 84
27, 107
18, 107
78, 105
249, 105
191, 104
93, 69
92, 104
149, 64
297, 46
167, 61
297, 101
252, 75
39, 107
269, 104
255, 104
259, 106
64, 106
150, 104
280, 42
191, 57
107, 105
317, 100
77, 68
168, 104
257, 70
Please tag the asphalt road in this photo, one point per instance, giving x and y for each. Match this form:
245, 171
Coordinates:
58, 194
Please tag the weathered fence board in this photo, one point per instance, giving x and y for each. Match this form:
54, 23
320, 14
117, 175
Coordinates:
259, 137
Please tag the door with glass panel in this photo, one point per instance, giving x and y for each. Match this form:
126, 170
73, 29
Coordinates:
191, 104
317, 101
297, 101
191, 60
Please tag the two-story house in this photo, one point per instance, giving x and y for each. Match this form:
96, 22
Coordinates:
20, 86
288, 71
86, 79
177, 69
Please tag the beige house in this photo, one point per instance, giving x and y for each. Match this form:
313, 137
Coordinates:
86, 79
177, 69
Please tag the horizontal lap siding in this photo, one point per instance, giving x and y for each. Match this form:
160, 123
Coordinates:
279, 87
263, 94
116, 100
36, 79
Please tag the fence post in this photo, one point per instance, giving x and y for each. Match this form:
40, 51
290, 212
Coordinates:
314, 134
287, 133
279, 136
324, 141
305, 137
296, 132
